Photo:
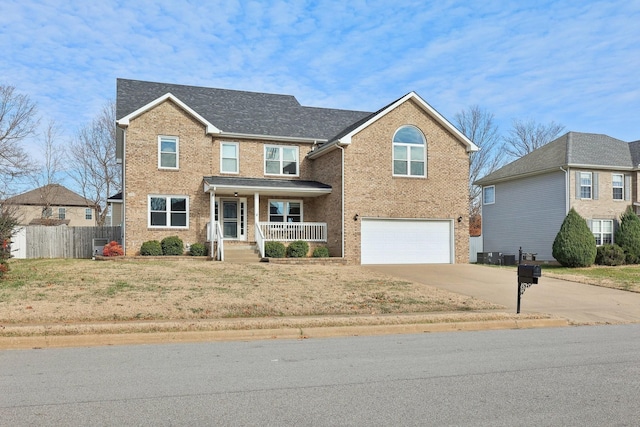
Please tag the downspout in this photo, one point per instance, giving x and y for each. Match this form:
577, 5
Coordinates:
342, 200
567, 184
124, 197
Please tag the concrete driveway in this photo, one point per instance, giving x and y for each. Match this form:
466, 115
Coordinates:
577, 302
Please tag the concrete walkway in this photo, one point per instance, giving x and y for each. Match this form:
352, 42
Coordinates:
576, 302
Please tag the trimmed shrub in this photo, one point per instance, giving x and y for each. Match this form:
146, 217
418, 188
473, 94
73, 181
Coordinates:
574, 245
113, 248
274, 250
627, 236
198, 249
151, 248
321, 252
610, 255
298, 249
172, 245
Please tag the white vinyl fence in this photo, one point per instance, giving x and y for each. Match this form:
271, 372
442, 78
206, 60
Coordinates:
40, 241
475, 246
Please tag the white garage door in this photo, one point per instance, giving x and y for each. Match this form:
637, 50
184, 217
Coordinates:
399, 241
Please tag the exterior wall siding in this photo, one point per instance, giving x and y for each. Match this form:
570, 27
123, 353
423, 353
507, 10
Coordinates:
527, 213
75, 214
371, 190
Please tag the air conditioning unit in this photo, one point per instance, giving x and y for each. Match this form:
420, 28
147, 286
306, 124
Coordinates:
98, 246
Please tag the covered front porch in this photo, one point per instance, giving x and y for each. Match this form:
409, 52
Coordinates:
260, 210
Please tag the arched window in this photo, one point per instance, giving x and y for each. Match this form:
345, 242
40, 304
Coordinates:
409, 152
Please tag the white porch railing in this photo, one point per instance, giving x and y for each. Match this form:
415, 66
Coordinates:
260, 240
215, 236
290, 231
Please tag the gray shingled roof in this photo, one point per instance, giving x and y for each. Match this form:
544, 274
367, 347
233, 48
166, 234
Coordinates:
265, 183
573, 149
241, 112
57, 194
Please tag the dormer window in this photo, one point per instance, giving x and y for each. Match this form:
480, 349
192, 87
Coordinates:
409, 152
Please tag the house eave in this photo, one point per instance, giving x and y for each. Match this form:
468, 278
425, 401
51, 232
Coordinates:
249, 190
270, 138
470, 146
125, 121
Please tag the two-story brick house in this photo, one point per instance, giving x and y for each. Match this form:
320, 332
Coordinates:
526, 201
216, 165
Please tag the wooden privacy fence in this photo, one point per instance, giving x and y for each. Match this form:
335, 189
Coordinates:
42, 241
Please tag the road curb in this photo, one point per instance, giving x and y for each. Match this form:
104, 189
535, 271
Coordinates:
93, 340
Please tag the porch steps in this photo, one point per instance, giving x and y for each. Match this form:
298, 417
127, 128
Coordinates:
241, 253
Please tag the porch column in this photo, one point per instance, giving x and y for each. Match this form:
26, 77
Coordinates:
212, 217
256, 208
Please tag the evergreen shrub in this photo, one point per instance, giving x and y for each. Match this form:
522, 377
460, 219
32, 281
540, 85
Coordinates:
574, 245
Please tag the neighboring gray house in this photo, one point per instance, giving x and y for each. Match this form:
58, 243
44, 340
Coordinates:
525, 202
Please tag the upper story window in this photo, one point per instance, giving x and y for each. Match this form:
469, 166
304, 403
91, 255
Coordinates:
280, 160
88, 213
229, 158
585, 185
409, 152
168, 152
62, 213
617, 182
489, 195
285, 211
47, 212
169, 211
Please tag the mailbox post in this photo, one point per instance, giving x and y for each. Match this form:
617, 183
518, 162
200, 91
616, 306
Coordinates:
527, 275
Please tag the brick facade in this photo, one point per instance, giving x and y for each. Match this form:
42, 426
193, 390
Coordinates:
370, 190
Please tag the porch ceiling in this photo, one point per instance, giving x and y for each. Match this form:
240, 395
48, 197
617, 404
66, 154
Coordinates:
269, 187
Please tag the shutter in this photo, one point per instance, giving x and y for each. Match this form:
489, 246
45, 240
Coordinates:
594, 185
627, 187
577, 184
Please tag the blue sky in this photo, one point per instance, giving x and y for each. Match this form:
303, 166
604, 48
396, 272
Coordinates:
573, 62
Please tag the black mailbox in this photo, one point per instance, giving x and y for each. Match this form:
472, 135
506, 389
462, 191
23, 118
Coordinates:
529, 273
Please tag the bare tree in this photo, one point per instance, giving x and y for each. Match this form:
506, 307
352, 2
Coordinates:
50, 167
477, 124
526, 136
17, 121
92, 158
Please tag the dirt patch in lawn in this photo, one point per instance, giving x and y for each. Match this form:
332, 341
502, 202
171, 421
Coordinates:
44, 291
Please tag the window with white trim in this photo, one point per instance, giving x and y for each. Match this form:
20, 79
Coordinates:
285, 210
489, 195
168, 152
62, 213
409, 152
229, 158
169, 211
617, 182
586, 182
602, 230
280, 160
88, 213
47, 212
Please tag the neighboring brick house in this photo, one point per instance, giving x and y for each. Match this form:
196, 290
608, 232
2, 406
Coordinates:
526, 201
383, 187
53, 204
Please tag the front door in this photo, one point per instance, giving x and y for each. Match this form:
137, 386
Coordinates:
230, 219
234, 219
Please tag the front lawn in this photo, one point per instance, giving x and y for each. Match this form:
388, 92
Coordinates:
626, 277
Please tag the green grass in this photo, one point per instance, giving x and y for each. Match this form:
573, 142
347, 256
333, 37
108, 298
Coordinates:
624, 277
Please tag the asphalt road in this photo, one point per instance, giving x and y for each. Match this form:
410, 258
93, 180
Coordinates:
571, 376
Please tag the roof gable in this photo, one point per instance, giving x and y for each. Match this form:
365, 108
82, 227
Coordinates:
56, 194
345, 137
573, 149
